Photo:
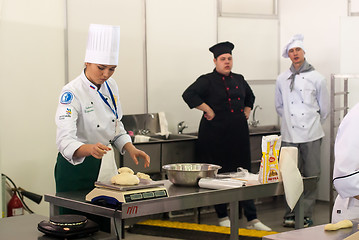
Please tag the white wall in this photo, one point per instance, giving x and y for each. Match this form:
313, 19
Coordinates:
32, 74
130, 72
177, 53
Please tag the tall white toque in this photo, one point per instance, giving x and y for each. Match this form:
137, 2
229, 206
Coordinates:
103, 44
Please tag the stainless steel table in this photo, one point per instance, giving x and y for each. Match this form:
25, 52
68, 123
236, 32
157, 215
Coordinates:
25, 228
316, 232
180, 198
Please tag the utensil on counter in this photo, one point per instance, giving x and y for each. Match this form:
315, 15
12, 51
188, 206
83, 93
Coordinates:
188, 174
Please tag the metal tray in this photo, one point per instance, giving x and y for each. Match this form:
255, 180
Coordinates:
142, 185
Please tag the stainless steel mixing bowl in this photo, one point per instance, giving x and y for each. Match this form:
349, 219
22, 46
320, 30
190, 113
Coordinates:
188, 174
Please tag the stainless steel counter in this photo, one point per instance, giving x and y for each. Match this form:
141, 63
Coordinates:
25, 228
180, 198
316, 232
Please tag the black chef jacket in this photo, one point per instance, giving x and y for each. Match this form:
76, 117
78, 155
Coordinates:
225, 139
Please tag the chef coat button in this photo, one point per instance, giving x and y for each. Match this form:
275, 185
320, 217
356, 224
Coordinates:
292, 115
302, 77
303, 126
302, 102
302, 114
227, 88
239, 98
98, 125
106, 98
237, 87
113, 120
291, 102
229, 99
292, 126
91, 102
301, 90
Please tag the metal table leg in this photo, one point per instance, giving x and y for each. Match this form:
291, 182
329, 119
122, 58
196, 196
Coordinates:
234, 215
299, 213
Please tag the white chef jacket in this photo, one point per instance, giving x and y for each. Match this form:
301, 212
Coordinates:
304, 108
83, 117
346, 167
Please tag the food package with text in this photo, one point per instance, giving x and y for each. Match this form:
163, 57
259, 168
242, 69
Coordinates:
269, 170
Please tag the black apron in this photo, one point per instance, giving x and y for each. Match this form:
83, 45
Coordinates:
225, 141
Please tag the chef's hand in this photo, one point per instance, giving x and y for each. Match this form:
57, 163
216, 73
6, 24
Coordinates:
209, 115
136, 153
96, 150
247, 111
208, 112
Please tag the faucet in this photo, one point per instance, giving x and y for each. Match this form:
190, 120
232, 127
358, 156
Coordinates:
145, 130
254, 122
181, 126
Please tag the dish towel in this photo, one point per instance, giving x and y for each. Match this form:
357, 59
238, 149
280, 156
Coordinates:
108, 167
141, 138
292, 179
163, 124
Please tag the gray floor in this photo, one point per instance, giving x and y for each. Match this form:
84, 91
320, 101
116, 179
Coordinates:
270, 211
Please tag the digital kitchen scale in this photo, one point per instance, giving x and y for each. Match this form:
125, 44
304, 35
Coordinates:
112, 194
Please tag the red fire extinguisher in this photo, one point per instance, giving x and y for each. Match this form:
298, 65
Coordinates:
15, 207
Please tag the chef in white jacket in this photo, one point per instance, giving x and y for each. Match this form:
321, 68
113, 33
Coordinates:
346, 168
88, 116
302, 102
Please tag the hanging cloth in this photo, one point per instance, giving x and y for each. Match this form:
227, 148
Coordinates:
108, 167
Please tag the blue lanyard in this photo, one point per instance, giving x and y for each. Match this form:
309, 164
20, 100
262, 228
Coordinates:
113, 100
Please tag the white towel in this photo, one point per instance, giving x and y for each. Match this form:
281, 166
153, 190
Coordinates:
141, 138
163, 124
108, 167
292, 179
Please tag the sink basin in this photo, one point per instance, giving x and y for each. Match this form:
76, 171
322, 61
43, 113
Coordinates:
267, 129
173, 137
163, 139
150, 140
258, 130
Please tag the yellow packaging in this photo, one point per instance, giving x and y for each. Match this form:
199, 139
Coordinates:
269, 170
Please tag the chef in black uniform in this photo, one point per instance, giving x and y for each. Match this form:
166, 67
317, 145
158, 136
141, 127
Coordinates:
226, 100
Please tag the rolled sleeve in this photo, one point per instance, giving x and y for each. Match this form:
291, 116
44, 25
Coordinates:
121, 139
278, 101
193, 94
68, 153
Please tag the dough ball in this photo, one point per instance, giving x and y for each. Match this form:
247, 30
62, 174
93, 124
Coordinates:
125, 179
125, 170
143, 176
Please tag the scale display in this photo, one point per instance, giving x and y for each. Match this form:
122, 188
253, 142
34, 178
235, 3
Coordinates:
132, 197
114, 196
